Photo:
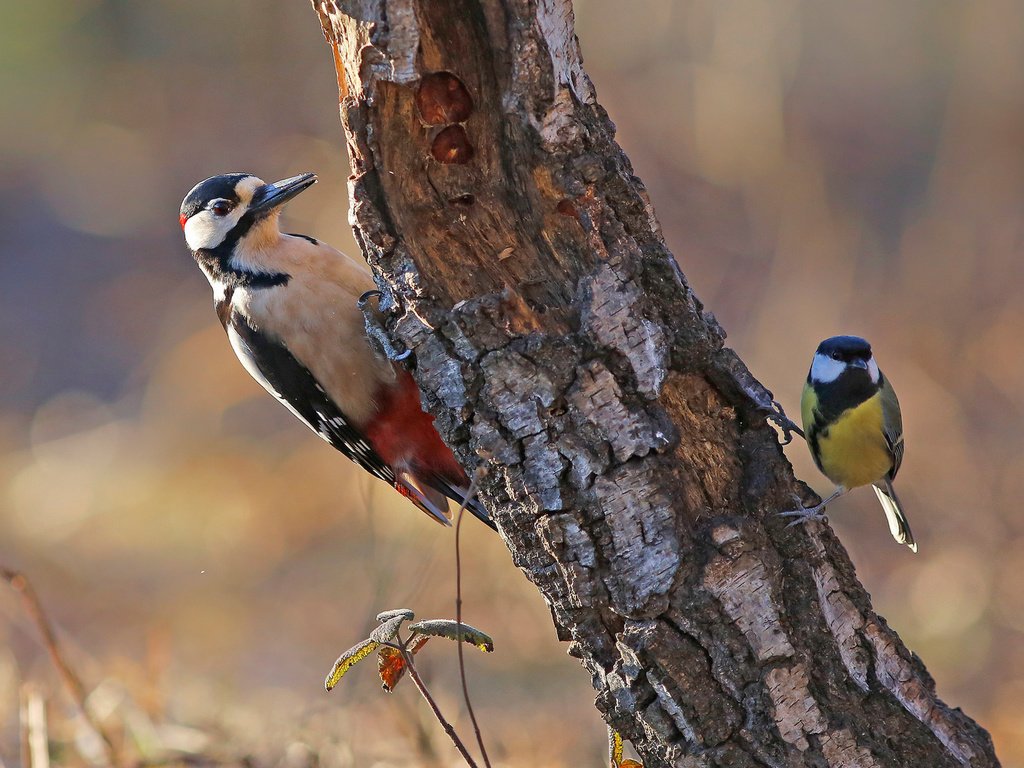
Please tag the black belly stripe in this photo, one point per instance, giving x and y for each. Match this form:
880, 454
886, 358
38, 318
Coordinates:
849, 390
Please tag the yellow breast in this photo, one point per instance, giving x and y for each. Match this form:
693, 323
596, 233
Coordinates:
852, 450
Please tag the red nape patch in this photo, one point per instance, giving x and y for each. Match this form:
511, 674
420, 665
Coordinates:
182, 219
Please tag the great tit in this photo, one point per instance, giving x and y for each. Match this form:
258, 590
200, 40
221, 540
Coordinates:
852, 423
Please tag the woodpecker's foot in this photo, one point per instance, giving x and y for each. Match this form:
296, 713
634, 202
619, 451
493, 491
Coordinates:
779, 418
375, 331
804, 514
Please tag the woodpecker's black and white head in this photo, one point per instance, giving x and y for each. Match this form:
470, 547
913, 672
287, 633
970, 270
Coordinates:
230, 216
844, 357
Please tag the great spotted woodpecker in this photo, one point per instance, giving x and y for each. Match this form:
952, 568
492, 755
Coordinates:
288, 304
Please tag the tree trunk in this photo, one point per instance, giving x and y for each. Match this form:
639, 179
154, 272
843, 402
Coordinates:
631, 468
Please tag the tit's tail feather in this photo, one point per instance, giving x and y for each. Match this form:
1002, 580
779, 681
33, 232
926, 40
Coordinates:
899, 526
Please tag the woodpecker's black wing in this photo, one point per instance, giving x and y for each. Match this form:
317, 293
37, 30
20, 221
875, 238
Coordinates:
280, 373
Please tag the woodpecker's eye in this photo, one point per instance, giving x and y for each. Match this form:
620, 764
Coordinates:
221, 207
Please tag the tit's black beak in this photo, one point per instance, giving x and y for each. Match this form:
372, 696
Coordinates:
269, 197
858, 362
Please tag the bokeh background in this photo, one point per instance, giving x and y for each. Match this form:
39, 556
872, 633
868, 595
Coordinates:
817, 167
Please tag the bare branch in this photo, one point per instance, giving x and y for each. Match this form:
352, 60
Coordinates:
72, 682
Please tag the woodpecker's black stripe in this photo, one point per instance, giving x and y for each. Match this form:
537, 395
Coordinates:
217, 265
313, 240
294, 384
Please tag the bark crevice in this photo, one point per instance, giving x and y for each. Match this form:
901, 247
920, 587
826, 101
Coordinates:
631, 469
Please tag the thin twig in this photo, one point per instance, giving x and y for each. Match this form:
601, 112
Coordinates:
72, 683
470, 493
411, 666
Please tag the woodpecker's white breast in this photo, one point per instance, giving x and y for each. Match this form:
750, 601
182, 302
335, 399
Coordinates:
315, 316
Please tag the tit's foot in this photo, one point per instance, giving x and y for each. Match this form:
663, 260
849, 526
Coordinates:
777, 415
375, 331
805, 514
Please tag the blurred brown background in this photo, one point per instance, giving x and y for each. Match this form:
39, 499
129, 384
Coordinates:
818, 168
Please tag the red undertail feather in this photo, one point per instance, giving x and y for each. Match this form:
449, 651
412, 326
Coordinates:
405, 437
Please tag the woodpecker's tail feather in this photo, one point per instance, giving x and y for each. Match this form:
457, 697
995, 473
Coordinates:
898, 524
457, 493
428, 500
431, 495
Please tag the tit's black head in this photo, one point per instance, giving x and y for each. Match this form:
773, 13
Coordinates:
844, 358
845, 349
222, 209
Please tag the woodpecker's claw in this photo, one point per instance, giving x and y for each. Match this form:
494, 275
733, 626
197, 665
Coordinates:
363, 301
778, 417
375, 331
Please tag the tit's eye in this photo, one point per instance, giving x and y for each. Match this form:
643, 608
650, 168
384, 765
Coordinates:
221, 207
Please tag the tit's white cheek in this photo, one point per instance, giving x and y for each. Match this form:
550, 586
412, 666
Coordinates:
873, 370
824, 369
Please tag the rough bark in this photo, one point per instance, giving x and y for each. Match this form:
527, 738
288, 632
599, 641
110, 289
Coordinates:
631, 468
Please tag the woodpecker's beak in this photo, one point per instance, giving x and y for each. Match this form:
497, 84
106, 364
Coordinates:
270, 197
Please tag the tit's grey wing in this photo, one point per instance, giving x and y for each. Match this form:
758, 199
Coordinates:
892, 424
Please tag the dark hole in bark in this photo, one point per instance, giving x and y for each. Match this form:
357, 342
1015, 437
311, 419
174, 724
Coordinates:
452, 145
442, 99
566, 208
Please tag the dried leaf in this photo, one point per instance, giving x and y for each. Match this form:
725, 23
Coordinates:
450, 629
387, 631
630, 764
390, 667
391, 664
348, 659
403, 612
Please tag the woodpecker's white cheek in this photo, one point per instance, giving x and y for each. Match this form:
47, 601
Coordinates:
824, 369
873, 370
205, 231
